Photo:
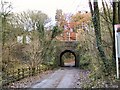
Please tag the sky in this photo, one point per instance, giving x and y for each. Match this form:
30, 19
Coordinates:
49, 6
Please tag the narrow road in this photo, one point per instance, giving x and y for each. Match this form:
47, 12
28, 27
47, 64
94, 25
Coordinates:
62, 78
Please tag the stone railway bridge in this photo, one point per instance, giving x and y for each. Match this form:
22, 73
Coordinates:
68, 46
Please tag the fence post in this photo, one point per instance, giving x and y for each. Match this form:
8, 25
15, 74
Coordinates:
13, 73
7, 75
13, 77
29, 72
39, 69
33, 71
22, 72
18, 74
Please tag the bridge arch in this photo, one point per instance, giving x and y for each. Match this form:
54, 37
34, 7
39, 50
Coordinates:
65, 51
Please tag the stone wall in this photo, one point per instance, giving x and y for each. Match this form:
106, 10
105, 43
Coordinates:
69, 46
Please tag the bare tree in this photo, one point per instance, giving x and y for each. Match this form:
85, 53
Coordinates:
5, 13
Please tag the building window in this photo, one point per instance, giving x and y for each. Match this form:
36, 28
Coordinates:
19, 39
28, 39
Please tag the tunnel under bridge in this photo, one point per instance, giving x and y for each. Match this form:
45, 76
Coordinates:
68, 46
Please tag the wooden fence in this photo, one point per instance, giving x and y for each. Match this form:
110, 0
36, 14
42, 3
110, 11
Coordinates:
13, 76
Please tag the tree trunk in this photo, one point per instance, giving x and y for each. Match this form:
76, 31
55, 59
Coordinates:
114, 22
119, 12
96, 23
107, 17
3, 30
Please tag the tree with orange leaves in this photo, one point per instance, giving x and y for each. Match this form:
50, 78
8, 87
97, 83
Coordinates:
80, 19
